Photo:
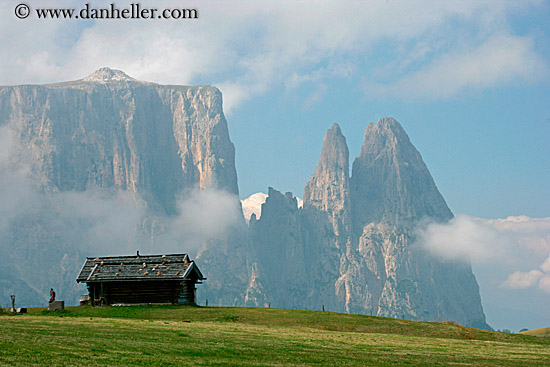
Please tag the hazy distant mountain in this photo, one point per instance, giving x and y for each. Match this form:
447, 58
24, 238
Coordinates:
253, 205
102, 166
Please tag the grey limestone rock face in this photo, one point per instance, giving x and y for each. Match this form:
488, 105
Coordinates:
392, 192
231, 269
328, 188
296, 252
109, 130
353, 245
390, 182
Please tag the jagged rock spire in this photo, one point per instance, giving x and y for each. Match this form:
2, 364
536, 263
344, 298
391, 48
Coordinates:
328, 187
390, 182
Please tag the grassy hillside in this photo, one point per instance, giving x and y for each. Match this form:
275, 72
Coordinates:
219, 336
545, 331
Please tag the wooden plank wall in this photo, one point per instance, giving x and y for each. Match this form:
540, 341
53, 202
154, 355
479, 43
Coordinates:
138, 292
176, 292
187, 292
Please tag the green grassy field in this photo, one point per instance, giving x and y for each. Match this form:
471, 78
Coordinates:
545, 331
223, 336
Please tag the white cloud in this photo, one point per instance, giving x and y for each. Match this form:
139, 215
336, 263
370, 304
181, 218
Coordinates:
250, 47
531, 278
234, 94
203, 215
530, 233
99, 220
510, 248
476, 238
546, 265
500, 60
253, 205
463, 238
544, 284
520, 280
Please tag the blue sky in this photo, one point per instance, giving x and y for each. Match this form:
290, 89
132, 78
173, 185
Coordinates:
469, 81
486, 145
489, 156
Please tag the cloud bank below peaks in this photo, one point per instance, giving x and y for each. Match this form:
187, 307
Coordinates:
463, 238
514, 245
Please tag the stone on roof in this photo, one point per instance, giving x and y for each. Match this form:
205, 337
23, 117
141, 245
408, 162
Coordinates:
139, 268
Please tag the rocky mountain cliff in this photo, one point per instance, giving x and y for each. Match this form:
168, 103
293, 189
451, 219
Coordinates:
392, 192
328, 188
390, 181
110, 130
358, 234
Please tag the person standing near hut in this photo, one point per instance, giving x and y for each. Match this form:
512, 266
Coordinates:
52, 295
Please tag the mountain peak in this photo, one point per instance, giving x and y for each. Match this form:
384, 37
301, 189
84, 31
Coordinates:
390, 122
390, 181
388, 132
105, 75
334, 154
335, 130
391, 125
328, 187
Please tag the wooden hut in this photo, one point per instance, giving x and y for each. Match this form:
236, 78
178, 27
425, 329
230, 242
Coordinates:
141, 279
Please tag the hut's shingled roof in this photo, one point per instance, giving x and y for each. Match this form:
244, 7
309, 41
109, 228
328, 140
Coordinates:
138, 267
